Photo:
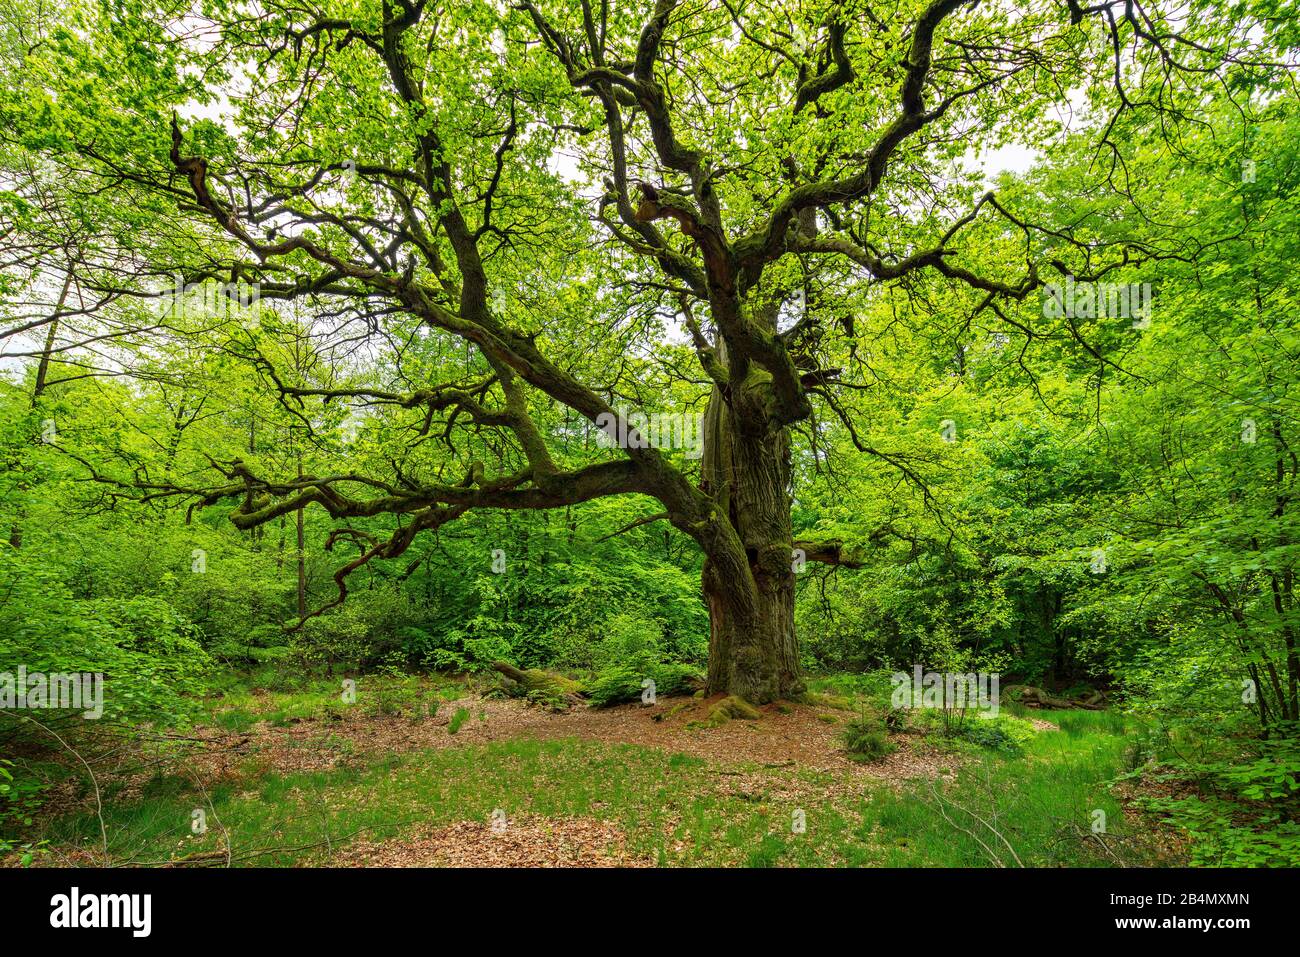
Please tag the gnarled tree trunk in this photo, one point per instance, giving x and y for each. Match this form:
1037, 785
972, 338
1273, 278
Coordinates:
753, 649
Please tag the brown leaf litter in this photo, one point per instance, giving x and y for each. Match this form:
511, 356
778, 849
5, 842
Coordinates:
788, 735
525, 841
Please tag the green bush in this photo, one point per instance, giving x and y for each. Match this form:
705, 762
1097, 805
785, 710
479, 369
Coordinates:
20, 798
627, 640
460, 716
630, 652
622, 683
865, 738
1247, 809
615, 685
149, 653
1004, 733
558, 614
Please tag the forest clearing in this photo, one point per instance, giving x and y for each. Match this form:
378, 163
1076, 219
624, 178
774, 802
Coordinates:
413, 773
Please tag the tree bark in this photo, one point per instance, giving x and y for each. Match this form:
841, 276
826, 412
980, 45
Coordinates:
753, 648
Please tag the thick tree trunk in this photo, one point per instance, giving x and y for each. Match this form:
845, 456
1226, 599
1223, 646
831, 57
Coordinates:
753, 649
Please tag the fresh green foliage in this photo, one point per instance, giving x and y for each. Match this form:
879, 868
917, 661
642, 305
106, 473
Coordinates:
147, 653
20, 798
619, 683
1242, 812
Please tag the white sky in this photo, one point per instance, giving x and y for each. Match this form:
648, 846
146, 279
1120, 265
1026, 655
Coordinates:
1014, 158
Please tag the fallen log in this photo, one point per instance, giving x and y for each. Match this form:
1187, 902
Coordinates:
1038, 698
553, 690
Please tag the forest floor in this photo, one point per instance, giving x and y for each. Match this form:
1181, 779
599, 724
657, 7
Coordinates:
788, 735
440, 775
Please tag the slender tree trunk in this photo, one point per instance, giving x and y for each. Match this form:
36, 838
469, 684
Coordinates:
43, 369
749, 583
38, 389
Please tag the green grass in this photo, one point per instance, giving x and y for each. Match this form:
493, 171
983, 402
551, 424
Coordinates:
241, 706
239, 709
1041, 802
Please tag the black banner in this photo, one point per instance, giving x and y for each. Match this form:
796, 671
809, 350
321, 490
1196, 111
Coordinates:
335, 907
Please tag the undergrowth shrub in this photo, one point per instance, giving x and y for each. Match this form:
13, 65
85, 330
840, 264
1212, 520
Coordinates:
20, 798
621, 683
460, 716
1004, 733
1245, 811
865, 738
149, 654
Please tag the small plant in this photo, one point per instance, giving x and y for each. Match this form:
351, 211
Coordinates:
20, 797
457, 719
395, 691
1147, 747
865, 738
768, 852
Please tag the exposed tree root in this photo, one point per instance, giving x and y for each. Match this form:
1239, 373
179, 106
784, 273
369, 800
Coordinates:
727, 708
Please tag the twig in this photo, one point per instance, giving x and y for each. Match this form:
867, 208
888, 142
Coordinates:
99, 805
